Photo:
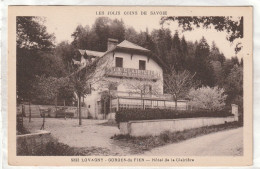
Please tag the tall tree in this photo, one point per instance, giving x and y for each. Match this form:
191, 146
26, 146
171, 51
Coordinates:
101, 28
163, 42
203, 67
65, 51
117, 30
184, 50
32, 40
176, 52
80, 37
215, 54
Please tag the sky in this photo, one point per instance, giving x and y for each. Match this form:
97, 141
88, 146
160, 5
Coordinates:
63, 27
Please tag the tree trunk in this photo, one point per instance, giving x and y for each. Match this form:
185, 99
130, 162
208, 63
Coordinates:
56, 100
175, 103
142, 99
110, 101
79, 99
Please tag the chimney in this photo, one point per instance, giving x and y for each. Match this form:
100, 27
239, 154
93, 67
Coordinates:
111, 43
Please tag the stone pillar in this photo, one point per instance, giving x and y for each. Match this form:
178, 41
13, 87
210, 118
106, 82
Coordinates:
235, 111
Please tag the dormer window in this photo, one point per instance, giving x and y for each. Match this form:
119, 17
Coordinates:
142, 65
119, 62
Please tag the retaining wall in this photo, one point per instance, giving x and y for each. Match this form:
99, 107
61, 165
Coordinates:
155, 127
28, 144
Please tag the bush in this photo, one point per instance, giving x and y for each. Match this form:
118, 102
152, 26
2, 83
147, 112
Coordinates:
152, 114
207, 98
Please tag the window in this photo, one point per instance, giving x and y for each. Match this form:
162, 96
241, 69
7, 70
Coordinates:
119, 62
147, 89
142, 65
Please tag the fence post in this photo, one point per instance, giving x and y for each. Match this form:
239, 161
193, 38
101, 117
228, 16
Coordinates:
235, 111
30, 113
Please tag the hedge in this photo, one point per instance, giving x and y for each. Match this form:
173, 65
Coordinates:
152, 114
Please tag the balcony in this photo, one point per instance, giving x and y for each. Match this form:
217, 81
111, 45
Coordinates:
132, 73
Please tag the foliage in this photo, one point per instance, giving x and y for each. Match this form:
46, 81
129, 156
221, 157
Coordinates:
65, 51
203, 68
48, 89
55, 148
95, 38
31, 34
207, 98
234, 88
233, 26
33, 44
126, 115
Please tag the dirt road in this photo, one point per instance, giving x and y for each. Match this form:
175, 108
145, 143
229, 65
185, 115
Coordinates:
229, 143
90, 134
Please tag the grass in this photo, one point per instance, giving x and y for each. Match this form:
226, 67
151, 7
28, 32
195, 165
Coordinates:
55, 148
109, 123
140, 144
22, 130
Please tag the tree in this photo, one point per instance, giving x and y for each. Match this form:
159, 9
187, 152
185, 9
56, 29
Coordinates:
185, 51
85, 75
131, 35
117, 30
48, 89
143, 87
203, 68
207, 98
101, 28
215, 54
65, 51
31, 34
233, 85
80, 37
176, 52
233, 26
178, 83
81, 86
163, 42
32, 41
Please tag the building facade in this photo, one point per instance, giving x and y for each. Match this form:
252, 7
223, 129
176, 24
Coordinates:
128, 76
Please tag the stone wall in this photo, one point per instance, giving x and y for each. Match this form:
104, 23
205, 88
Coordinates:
155, 127
29, 144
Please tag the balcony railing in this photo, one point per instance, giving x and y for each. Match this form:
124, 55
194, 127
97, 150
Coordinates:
132, 73
119, 94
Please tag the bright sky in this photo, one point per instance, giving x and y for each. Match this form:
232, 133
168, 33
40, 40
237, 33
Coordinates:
63, 27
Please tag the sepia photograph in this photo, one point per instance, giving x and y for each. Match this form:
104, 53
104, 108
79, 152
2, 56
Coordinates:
137, 82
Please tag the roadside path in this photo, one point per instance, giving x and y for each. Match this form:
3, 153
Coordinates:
229, 143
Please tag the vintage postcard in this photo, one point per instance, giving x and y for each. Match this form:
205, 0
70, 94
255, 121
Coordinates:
130, 86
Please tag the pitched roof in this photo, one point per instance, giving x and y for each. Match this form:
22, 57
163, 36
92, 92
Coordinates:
130, 45
125, 45
91, 53
94, 53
